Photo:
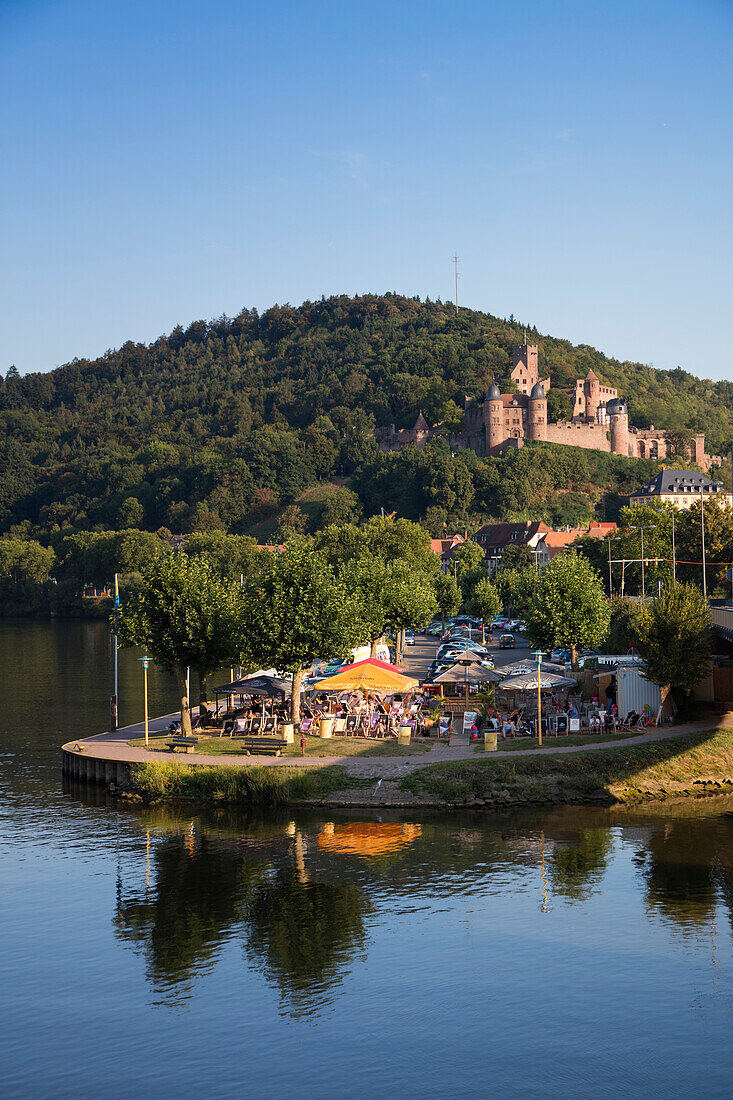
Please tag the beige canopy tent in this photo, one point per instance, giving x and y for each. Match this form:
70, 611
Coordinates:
467, 674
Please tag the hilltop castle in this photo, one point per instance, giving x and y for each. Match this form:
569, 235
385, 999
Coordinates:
600, 420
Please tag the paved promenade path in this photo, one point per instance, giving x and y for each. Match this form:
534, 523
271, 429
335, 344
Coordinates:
114, 746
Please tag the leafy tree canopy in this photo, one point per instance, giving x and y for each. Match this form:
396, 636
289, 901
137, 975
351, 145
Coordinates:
568, 607
185, 615
675, 637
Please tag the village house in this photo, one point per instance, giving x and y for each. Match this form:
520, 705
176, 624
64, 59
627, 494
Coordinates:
493, 538
681, 488
542, 541
445, 547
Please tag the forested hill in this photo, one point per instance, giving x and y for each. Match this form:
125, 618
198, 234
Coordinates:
224, 421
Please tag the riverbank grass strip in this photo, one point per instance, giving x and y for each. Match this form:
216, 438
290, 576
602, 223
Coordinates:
677, 766
259, 786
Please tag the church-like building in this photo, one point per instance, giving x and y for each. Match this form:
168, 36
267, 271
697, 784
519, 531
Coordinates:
600, 420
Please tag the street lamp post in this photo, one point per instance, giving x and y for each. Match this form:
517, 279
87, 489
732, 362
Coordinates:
145, 664
674, 554
702, 530
610, 581
538, 655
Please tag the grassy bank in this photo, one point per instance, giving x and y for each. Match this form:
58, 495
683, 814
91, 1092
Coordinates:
517, 744
314, 746
259, 786
691, 764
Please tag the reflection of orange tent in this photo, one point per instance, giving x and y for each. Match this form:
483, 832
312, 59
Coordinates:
368, 675
367, 838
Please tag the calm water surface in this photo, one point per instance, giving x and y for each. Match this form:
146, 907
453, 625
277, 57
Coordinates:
159, 952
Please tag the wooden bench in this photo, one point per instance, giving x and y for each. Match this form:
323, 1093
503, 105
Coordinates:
271, 746
181, 742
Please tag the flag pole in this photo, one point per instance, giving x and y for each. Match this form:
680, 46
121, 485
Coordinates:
113, 700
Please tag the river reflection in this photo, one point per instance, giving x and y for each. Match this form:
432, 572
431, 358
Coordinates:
319, 953
299, 893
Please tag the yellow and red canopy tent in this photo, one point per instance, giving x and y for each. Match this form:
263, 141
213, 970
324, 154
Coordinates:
369, 675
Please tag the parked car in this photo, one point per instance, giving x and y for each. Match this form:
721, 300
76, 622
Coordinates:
409, 638
434, 628
560, 655
522, 628
506, 641
512, 624
500, 623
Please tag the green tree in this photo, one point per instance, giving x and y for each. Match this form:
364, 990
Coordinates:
568, 607
622, 631
184, 616
26, 560
234, 557
408, 599
131, 513
675, 638
516, 557
340, 506
447, 595
298, 611
516, 589
559, 405
293, 521
467, 558
484, 601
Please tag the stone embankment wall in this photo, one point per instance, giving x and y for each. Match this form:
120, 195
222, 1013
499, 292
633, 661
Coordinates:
87, 769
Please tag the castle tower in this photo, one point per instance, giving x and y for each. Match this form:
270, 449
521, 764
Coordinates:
526, 354
591, 390
494, 417
619, 418
525, 371
421, 430
537, 419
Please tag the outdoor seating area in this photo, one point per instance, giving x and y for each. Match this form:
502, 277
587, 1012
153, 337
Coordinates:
371, 699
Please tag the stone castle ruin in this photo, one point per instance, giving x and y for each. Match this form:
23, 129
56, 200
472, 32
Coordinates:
600, 420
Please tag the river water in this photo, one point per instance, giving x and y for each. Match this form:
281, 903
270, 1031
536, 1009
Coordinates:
170, 952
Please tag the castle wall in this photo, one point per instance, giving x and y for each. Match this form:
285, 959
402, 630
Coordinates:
592, 436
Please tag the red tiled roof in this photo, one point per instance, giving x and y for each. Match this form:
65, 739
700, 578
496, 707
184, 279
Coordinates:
500, 534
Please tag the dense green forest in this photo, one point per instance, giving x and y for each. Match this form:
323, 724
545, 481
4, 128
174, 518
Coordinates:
227, 424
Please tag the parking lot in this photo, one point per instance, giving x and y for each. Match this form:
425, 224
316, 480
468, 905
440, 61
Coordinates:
418, 657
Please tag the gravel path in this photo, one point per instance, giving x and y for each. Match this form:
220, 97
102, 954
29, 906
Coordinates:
113, 746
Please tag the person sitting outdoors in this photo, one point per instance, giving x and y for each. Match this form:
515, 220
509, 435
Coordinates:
573, 712
508, 727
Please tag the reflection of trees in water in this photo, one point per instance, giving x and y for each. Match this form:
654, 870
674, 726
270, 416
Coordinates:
305, 933
198, 894
303, 908
576, 869
680, 872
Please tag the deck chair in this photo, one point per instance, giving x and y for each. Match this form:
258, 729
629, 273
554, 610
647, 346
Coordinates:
270, 724
256, 724
305, 725
352, 724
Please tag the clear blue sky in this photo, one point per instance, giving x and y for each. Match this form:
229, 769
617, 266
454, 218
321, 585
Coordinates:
164, 161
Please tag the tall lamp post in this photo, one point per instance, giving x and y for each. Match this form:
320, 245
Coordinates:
145, 664
538, 655
702, 533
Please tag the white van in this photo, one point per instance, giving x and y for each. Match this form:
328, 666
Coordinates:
362, 652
